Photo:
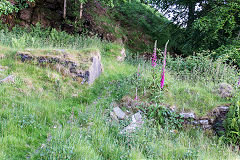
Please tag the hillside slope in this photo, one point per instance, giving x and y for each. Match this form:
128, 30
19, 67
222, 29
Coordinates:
45, 115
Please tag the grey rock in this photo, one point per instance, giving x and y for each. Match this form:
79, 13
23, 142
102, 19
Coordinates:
123, 55
188, 115
67, 67
195, 122
225, 90
8, 79
203, 122
119, 113
137, 117
96, 68
223, 108
206, 127
2, 68
113, 116
131, 128
136, 123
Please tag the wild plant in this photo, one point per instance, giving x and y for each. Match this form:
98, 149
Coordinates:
163, 66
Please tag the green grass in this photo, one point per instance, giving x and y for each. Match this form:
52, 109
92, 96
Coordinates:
44, 115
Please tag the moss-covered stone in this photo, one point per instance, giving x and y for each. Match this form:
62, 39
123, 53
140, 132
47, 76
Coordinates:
82, 66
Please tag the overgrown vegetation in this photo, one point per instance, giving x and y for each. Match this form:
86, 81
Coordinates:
46, 116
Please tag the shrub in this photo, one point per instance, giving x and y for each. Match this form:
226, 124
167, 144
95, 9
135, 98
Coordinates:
229, 53
164, 116
232, 124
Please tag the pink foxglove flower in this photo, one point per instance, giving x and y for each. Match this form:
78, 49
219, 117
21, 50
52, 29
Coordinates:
164, 64
154, 57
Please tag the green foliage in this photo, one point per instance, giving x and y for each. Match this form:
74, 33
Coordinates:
232, 124
38, 37
164, 117
202, 67
219, 26
6, 7
144, 21
228, 53
44, 115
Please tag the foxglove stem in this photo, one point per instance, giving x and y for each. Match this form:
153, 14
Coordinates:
136, 97
164, 64
138, 71
154, 57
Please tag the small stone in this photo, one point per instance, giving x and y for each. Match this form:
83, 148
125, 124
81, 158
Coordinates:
137, 117
119, 113
130, 128
173, 108
113, 116
203, 122
223, 108
188, 115
225, 90
211, 121
137, 122
206, 126
3, 68
9, 79
195, 122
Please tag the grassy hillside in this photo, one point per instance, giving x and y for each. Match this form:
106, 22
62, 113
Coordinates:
44, 115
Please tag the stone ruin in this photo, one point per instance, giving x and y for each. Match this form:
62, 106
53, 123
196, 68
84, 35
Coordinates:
82, 67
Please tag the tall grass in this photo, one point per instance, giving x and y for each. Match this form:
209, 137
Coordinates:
37, 37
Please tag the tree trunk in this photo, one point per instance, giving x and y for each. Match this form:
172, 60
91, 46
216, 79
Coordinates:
191, 14
64, 9
81, 10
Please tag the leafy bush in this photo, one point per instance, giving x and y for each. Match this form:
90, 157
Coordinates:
164, 116
229, 53
232, 124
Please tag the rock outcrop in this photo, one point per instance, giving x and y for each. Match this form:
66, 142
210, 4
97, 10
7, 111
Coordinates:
82, 66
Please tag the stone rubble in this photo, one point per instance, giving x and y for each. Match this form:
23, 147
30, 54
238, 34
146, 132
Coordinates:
188, 115
8, 79
136, 123
65, 65
119, 113
214, 120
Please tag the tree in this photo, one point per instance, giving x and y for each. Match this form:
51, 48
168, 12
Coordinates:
220, 25
207, 24
64, 9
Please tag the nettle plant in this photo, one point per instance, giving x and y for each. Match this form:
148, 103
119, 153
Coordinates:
164, 117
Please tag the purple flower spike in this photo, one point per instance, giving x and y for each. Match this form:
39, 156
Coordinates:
164, 64
239, 81
154, 57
